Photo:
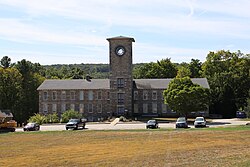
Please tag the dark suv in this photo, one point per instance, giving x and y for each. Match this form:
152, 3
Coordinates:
75, 124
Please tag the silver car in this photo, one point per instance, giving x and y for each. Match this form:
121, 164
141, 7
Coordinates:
200, 122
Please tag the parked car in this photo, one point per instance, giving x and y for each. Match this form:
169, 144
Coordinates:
75, 124
153, 124
200, 122
241, 114
181, 123
31, 127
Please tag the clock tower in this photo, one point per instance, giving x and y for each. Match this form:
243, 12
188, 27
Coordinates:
121, 80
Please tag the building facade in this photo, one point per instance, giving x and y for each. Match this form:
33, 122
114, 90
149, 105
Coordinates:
98, 99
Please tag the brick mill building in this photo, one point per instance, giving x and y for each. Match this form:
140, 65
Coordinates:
119, 95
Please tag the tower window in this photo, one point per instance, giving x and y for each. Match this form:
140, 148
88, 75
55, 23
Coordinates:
120, 82
120, 98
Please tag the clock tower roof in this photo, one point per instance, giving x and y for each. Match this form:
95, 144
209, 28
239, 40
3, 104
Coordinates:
121, 37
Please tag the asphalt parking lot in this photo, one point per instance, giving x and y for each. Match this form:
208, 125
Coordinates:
136, 125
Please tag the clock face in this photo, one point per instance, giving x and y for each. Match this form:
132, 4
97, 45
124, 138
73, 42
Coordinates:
120, 51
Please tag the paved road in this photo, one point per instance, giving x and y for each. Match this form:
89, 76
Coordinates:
139, 125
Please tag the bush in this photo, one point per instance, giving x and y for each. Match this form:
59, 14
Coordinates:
67, 115
122, 118
40, 119
52, 118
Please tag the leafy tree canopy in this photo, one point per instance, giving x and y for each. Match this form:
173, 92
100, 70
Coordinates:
183, 96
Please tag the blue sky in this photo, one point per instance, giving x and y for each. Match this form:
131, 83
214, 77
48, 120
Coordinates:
75, 31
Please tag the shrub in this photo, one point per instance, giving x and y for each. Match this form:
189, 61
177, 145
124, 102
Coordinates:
67, 115
40, 119
52, 118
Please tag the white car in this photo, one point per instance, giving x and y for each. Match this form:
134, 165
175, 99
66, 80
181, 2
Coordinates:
200, 122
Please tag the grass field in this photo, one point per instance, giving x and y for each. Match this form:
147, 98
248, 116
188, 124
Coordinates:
189, 147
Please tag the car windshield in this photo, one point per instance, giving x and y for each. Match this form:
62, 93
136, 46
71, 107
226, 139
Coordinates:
199, 119
74, 120
181, 119
151, 121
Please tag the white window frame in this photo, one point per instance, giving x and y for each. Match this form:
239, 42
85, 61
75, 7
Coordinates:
154, 95
145, 95
63, 107
145, 108
63, 95
45, 95
54, 95
72, 95
99, 95
81, 95
45, 108
54, 107
81, 108
154, 108
90, 95
164, 108
90, 108
99, 108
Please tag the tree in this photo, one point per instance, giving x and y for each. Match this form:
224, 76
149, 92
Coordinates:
183, 72
161, 69
183, 96
69, 114
10, 89
195, 68
29, 101
5, 62
229, 80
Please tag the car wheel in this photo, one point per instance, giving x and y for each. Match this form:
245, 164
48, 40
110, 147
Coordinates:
76, 127
66, 128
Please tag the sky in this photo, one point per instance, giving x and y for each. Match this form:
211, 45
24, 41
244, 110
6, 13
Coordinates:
75, 31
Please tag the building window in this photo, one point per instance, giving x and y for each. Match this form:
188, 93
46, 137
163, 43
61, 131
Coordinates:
45, 108
90, 108
63, 95
63, 107
54, 95
120, 82
81, 95
99, 108
135, 108
154, 95
90, 95
108, 95
81, 108
164, 108
99, 95
145, 95
45, 95
120, 98
145, 108
120, 110
135, 95
54, 107
72, 107
72, 95
154, 108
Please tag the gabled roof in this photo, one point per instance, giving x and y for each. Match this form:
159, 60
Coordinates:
74, 84
163, 83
